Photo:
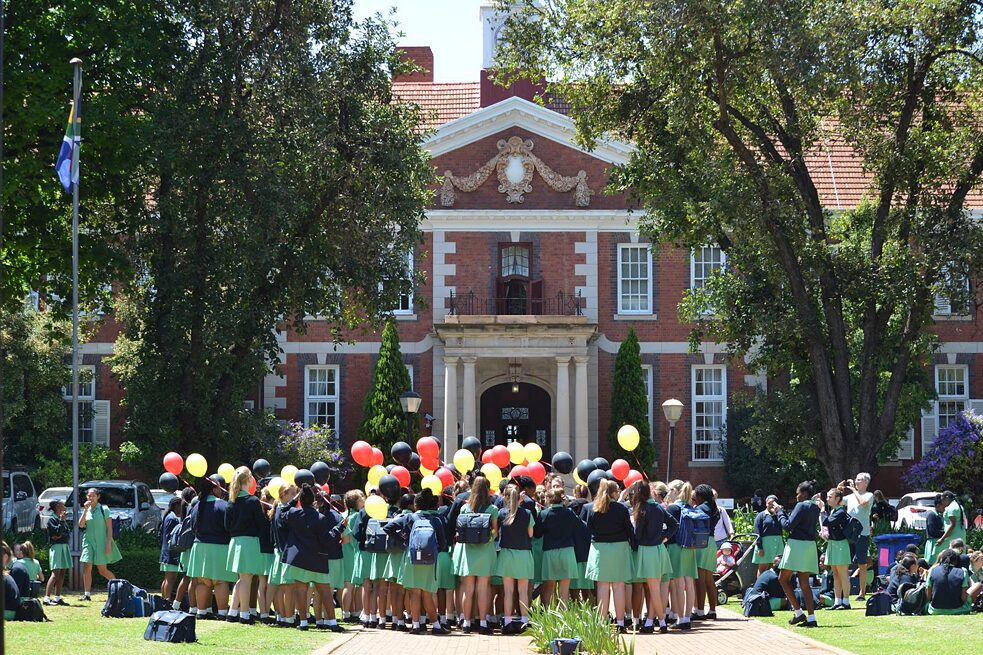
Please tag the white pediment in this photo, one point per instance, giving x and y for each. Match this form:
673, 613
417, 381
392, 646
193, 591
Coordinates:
518, 112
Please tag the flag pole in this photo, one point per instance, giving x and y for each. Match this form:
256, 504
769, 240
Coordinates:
76, 143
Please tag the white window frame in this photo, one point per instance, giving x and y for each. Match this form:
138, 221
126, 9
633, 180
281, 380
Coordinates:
961, 398
694, 281
326, 398
86, 407
408, 309
695, 399
647, 296
409, 370
649, 399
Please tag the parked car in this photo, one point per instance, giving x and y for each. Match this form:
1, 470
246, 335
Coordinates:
48, 495
130, 500
913, 510
162, 498
20, 511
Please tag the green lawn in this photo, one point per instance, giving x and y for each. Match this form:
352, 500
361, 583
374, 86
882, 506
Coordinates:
82, 630
892, 635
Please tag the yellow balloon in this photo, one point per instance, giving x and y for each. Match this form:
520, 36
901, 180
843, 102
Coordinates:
227, 471
493, 473
463, 461
517, 453
376, 507
533, 452
288, 472
275, 485
432, 482
376, 473
628, 437
576, 478
196, 464
368, 488
425, 471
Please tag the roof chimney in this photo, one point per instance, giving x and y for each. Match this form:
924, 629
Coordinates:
422, 56
492, 24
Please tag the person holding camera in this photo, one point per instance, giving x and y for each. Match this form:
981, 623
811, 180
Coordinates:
859, 503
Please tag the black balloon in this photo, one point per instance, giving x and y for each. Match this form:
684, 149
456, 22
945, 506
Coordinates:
389, 488
585, 468
401, 452
594, 480
261, 468
610, 476
472, 444
217, 479
562, 462
303, 476
602, 463
413, 464
168, 482
321, 472
390, 467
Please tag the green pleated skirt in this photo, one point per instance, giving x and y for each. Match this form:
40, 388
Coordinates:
297, 574
581, 582
706, 558
537, 559
336, 573
350, 556
244, 556
275, 572
518, 564
379, 567
560, 564
363, 566
170, 568
267, 563
652, 563
209, 561
59, 557
185, 558
419, 576
771, 547
94, 551
445, 571
609, 562
683, 562
931, 550
800, 555
838, 553
474, 559
394, 566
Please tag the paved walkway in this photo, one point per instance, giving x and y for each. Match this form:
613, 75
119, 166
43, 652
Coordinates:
730, 633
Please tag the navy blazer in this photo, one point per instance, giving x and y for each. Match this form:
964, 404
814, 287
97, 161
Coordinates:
515, 535
363, 523
308, 538
333, 520
166, 556
557, 526
654, 525
209, 521
278, 528
767, 524
612, 526
802, 522
675, 511
835, 523
245, 517
444, 513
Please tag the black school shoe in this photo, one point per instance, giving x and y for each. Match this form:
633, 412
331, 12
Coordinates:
439, 630
712, 616
484, 630
647, 629
335, 628
247, 621
810, 624
663, 629
466, 629
801, 618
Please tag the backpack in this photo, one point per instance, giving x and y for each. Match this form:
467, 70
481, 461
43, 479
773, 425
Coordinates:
422, 545
756, 603
171, 626
158, 604
141, 602
119, 602
694, 528
473, 528
852, 529
182, 536
30, 610
377, 540
879, 604
913, 600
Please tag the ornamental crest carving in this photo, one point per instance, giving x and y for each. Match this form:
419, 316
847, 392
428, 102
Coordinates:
514, 166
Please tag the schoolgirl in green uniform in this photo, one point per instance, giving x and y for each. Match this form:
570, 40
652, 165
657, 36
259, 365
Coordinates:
474, 564
59, 554
170, 563
771, 540
210, 552
609, 562
837, 547
557, 525
706, 559
98, 546
682, 580
515, 561
800, 557
350, 596
446, 580
25, 557
245, 521
653, 527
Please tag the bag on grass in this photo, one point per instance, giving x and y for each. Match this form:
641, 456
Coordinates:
756, 603
119, 602
30, 610
879, 604
914, 600
159, 604
171, 626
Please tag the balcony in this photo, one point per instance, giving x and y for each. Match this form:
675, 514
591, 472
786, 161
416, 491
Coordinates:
471, 304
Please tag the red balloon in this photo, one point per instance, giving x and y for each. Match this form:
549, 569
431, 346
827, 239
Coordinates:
445, 475
402, 474
431, 464
252, 486
620, 468
500, 456
377, 457
537, 472
632, 477
488, 457
428, 448
326, 488
362, 453
519, 470
173, 463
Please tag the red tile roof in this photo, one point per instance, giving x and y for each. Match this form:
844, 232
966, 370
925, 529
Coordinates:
441, 102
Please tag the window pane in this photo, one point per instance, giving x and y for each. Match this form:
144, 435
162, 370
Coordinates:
634, 279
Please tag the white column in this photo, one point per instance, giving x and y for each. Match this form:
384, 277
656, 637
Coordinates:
580, 407
470, 419
563, 404
450, 406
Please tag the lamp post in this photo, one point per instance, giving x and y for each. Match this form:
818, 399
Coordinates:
410, 402
673, 409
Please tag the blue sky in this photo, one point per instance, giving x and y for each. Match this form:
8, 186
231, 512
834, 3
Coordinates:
450, 27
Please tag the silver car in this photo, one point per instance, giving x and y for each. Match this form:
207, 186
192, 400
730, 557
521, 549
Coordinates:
129, 500
20, 511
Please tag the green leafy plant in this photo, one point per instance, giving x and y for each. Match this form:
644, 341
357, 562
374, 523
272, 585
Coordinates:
95, 463
576, 621
629, 404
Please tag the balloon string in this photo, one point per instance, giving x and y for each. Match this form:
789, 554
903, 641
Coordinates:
640, 469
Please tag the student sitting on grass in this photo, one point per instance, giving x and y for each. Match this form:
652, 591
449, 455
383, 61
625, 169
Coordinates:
11, 592
948, 585
905, 572
24, 553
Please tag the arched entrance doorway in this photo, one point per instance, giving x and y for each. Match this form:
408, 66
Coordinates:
523, 415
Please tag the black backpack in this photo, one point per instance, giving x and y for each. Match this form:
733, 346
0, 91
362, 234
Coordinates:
30, 610
377, 540
879, 604
119, 602
171, 626
913, 599
473, 528
159, 604
756, 603
853, 529
182, 536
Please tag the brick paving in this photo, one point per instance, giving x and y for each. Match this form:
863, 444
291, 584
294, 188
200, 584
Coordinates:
730, 633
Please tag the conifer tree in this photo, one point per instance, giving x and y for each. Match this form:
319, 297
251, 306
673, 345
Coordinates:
383, 421
629, 405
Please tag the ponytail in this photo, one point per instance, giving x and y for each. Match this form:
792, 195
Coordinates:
639, 494
602, 502
511, 504
240, 482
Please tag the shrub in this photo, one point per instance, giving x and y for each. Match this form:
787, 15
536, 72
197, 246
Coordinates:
955, 460
629, 405
576, 621
95, 463
302, 446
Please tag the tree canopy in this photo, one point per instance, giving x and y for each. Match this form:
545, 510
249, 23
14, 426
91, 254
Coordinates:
629, 405
734, 108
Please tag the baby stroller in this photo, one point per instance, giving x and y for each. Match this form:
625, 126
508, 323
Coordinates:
744, 572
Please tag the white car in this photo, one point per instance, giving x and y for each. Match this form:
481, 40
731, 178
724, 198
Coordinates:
162, 498
913, 510
48, 495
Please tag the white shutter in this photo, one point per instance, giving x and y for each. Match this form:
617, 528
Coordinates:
100, 423
943, 305
930, 427
906, 450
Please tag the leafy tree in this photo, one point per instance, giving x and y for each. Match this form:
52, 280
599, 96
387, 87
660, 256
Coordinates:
733, 108
629, 404
285, 183
383, 421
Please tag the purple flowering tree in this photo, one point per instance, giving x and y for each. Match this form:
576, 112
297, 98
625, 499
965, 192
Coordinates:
955, 460
302, 446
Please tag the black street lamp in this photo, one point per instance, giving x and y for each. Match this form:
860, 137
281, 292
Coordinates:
410, 402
